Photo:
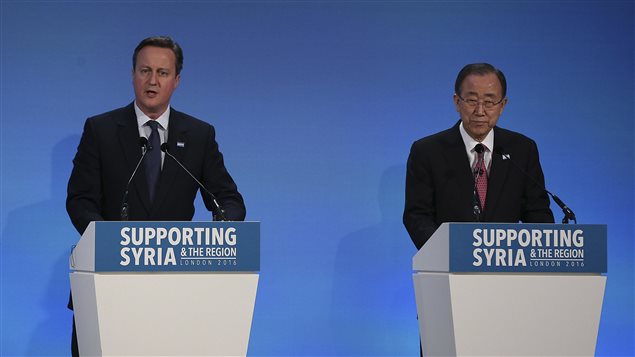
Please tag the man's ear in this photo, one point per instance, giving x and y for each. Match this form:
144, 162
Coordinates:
503, 104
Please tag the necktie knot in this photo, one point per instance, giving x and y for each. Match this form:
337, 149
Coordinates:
153, 124
480, 149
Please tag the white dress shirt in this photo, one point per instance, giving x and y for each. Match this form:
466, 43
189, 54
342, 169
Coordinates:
145, 130
470, 143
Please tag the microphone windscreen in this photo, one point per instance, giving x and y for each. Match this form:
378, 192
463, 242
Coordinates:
164, 147
143, 142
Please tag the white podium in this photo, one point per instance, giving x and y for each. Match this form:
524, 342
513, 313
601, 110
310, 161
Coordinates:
478, 295
200, 302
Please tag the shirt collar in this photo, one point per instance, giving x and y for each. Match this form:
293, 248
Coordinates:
142, 119
470, 143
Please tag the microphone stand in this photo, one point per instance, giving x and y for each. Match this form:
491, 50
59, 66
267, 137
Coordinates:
219, 212
124, 205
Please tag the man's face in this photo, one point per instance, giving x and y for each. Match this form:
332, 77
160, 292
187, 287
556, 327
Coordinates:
154, 79
477, 92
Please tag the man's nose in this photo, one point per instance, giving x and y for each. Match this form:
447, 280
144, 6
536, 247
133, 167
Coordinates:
480, 109
153, 78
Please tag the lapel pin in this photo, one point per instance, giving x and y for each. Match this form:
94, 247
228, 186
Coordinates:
180, 144
506, 156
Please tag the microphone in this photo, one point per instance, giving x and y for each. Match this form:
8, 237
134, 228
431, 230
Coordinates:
143, 142
476, 202
568, 213
220, 213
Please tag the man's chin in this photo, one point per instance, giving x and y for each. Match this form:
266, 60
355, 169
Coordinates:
479, 132
150, 105
149, 108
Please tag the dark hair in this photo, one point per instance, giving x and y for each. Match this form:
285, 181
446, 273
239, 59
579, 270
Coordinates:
480, 69
163, 42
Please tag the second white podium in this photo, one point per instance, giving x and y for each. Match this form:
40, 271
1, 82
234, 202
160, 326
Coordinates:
533, 305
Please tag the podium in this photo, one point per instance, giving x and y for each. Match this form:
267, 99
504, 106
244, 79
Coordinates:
165, 288
488, 289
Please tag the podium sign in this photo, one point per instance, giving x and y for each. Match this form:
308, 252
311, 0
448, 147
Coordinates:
499, 247
174, 247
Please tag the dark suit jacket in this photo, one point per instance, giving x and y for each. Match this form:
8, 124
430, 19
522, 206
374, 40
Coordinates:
440, 184
106, 157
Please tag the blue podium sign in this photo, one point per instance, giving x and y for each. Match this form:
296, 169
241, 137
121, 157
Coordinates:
177, 246
500, 247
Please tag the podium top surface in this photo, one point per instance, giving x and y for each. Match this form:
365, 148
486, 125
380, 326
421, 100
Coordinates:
161, 246
514, 248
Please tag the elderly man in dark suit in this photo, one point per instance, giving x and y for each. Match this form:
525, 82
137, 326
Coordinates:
474, 171
110, 149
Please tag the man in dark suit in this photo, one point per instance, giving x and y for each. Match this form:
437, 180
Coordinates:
110, 148
466, 173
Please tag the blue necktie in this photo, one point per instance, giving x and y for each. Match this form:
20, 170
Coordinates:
153, 159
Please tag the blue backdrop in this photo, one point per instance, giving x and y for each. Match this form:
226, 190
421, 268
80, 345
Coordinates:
316, 105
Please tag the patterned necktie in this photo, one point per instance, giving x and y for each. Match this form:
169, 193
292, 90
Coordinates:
153, 159
480, 174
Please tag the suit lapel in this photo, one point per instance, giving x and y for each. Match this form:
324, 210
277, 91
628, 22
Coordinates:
457, 157
497, 177
177, 146
128, 134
